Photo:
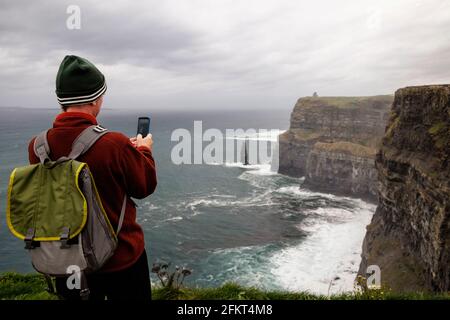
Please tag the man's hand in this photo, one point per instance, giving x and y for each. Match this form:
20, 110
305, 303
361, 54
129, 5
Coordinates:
140, 141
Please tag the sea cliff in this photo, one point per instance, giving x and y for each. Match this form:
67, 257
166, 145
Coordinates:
332, 142
409, 236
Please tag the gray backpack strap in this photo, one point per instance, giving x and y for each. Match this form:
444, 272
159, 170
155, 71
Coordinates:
122, 214
86, 139
41, 148
82, 144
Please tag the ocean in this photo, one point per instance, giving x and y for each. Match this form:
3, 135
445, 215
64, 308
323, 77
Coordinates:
226, 222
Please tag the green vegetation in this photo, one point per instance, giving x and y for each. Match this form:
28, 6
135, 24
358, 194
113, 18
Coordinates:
441, 134
394, 121
301, 134
438, 128
348, 102
14, 286
33, 287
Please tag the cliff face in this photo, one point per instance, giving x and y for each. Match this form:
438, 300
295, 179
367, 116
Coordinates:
332, 142
409, 236
337, 167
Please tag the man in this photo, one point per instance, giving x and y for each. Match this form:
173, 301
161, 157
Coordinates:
119, 165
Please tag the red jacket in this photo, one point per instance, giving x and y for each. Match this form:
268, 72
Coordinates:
117, 167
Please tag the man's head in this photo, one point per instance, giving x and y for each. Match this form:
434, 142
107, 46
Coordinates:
80, 85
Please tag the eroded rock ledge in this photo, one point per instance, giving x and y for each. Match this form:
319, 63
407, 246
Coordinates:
332, 142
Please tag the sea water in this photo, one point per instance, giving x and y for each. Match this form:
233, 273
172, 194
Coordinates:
227, 222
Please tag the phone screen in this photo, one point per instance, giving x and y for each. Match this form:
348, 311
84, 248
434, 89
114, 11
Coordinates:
143, 126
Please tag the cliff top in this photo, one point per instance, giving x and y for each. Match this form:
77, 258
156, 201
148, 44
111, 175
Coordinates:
424, 87
347, 102
14, 286
355, 119
419, 127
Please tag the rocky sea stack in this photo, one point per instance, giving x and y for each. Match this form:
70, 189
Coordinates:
332, 142
409, 236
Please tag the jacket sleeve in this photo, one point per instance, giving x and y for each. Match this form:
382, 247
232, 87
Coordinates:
139, 171
31, 155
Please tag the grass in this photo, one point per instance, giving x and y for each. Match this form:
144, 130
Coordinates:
440, 133
304, 134
349, 102
14, 286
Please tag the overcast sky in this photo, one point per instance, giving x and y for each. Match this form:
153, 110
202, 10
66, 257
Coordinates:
210, 54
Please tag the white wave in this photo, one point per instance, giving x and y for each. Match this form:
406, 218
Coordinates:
207, 203
242, 165
260, 181
258, 169
216, 201
296, 190
304, 193
150, 206
328, 259
263, 170
177, 218
247, 265
223, 195
213, 163
324, 217
344, 214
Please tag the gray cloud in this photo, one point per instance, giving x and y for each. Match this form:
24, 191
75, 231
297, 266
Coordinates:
217, 54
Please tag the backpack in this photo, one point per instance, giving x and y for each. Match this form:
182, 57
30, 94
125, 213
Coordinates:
54, 206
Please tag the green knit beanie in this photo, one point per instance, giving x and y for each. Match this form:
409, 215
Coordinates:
78, 82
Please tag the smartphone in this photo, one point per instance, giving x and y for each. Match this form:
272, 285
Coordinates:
143, 126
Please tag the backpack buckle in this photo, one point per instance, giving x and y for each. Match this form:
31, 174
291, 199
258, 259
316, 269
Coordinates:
64, 238
29, 239
84, 294
99, 129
